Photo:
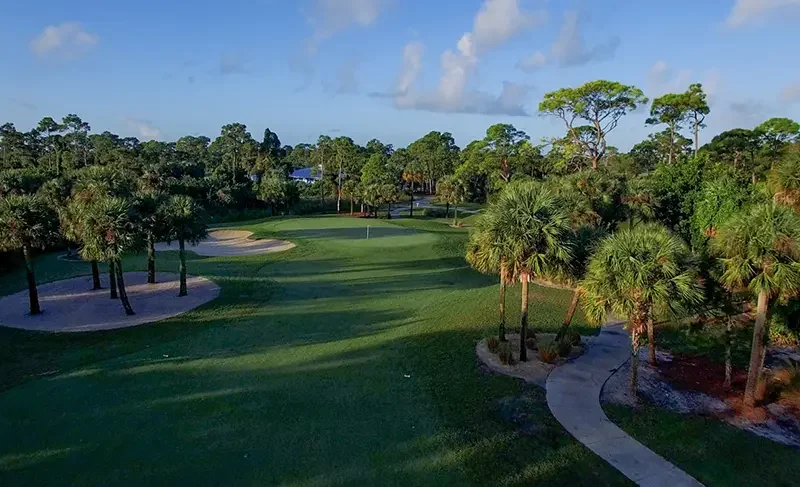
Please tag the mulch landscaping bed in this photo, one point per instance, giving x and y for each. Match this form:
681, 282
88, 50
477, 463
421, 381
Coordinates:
699, 374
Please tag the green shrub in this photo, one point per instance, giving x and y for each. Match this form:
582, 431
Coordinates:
435, 212
548, 353
574, 337
531, 343
492, 343
564, 347
781, 335
505, 354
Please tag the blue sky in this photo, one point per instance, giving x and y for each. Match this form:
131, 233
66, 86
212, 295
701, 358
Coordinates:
391, 69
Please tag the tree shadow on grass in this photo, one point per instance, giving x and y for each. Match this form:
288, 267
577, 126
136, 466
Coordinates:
374, 411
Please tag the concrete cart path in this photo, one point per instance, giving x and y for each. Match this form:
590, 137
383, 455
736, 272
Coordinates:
573, 396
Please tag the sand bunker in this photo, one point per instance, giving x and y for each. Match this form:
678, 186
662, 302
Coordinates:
231, 242
70, 305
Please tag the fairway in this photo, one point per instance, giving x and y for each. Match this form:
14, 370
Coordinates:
343, 361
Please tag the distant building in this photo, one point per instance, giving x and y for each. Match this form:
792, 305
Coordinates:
304, 175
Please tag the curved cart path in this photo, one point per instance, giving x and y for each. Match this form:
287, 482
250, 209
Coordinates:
573, 396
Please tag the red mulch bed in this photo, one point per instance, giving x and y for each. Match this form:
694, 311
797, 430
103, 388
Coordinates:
699, 374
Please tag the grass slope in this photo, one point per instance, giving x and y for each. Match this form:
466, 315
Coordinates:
344, 361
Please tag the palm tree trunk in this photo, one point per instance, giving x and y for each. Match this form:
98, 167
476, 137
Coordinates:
728, 365
112, 279
447, 210
634, 384
389, 212
96, 276
573, 306
411, 208
182, 291
151, 259
523, 329
455, 216
502, 330
757, 350
351, 207
651, 338
636, 331
33, 293
123, 296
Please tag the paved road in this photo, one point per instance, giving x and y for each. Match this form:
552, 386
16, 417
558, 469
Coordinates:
573, 396
420, 203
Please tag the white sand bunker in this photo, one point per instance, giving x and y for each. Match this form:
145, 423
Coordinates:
70, 305
231, 242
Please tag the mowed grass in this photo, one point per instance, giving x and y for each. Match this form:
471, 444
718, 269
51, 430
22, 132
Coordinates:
715, 453
344, 361
711, 450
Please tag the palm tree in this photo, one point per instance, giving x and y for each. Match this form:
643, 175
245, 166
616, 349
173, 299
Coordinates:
451, 191
760, 251
27, 222
485, 254
147, 207
638, 200
93, 183
638, 273
784, 180
111, 228
388, 193
184, 221
350, 191
533, 230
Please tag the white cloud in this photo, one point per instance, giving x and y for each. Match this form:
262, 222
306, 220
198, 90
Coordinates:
533, 62
496, 22
412, 66
748, 11
510, 101
663, 79
499, 20
144, 129
68, 40
569, 48
329, 17
791, 93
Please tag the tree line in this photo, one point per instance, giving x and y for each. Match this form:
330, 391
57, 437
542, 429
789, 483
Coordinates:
109, 195
667, 231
